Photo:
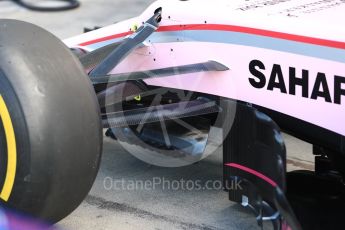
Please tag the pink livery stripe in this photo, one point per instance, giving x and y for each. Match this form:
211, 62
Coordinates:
233, 28
253, 172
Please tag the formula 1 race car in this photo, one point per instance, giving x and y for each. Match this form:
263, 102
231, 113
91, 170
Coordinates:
160, 84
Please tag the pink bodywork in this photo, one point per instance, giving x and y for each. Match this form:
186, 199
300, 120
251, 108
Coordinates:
176, 47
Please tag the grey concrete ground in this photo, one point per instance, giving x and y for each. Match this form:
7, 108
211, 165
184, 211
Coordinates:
112, 207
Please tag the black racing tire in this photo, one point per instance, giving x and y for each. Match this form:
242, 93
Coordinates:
50, 126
